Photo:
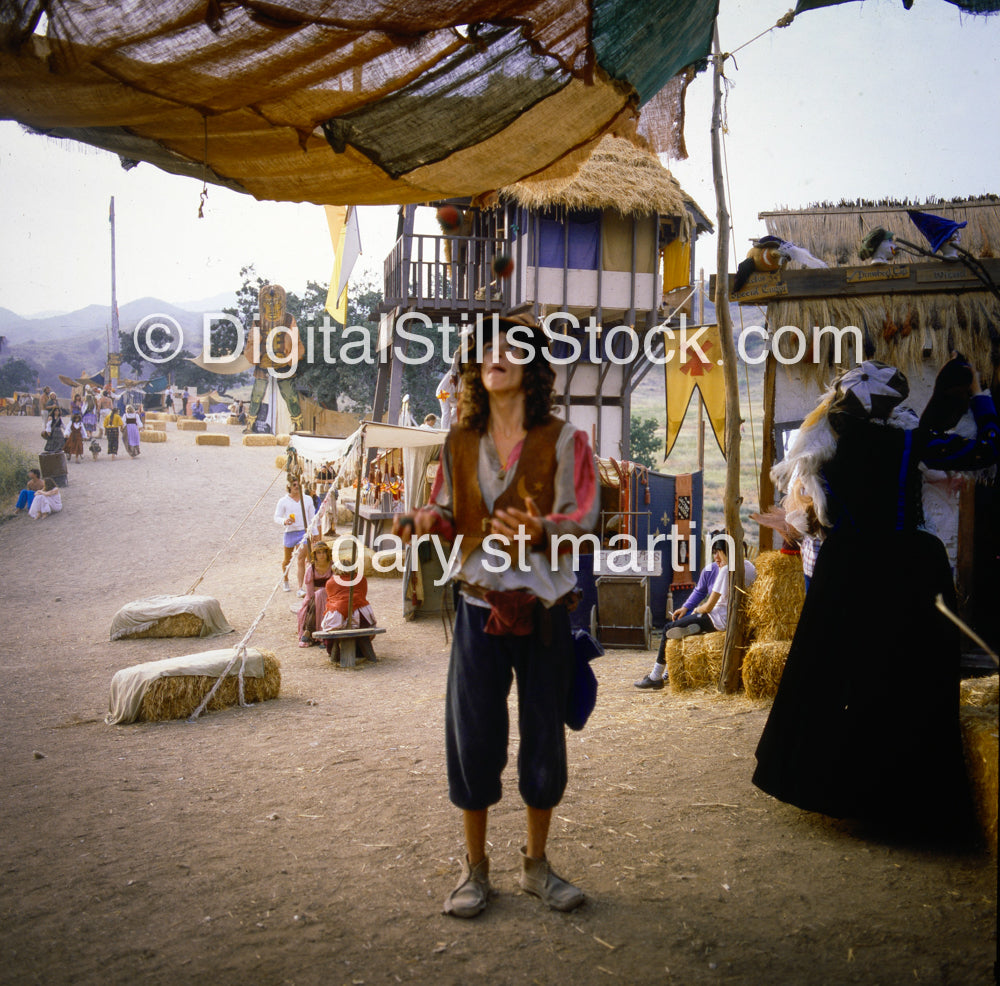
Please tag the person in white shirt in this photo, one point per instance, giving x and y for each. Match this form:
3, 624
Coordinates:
294, 513
711, 615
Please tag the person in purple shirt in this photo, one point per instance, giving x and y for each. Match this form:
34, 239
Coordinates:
658, 676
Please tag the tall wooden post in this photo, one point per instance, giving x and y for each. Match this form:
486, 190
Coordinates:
735, 644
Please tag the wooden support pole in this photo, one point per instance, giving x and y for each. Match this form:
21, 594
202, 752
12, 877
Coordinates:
732, 656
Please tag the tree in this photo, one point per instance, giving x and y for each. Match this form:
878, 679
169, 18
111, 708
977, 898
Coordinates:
16, 375
643, 443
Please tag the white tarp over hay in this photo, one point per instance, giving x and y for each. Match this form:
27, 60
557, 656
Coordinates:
135, 617
128, 686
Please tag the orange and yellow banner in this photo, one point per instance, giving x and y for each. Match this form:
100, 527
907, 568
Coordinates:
694, 359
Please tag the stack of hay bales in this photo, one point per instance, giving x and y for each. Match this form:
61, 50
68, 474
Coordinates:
258, 440
980, 714
774, 603
191, 424
211, 438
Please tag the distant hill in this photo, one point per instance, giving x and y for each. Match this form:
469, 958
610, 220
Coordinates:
77, 342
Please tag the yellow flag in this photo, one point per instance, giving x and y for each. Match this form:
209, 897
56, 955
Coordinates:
686, 370
336, 217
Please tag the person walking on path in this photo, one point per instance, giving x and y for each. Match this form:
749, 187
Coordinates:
294, 513
113, 425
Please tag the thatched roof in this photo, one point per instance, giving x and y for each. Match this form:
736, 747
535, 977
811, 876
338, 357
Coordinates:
834, 232
905, 329
618, 175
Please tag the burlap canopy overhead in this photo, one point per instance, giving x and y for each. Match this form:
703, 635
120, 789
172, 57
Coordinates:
354, 101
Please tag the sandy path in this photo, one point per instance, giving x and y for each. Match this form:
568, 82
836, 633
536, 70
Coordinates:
310, 839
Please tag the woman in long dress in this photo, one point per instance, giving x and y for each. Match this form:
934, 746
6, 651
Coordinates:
74, 437
132, 424
865, 722
313, 607
54, 436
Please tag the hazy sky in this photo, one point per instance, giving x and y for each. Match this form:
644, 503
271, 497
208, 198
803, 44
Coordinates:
864, 100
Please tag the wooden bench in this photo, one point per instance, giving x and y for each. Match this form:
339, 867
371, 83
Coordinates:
344, 646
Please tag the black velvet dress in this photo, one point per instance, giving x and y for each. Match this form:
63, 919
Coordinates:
865, 722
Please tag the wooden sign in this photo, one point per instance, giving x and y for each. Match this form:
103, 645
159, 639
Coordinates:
877, 272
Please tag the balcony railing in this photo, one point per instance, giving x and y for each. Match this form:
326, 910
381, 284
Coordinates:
446, 273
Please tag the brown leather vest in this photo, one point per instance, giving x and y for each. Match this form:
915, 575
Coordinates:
534, 476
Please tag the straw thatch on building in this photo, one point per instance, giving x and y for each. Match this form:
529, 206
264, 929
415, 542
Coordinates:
618, 175
905, 329
834, 232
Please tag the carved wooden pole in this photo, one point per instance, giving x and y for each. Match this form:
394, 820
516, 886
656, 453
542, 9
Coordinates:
732, 659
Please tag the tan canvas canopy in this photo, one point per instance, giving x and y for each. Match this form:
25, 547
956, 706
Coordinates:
355, 101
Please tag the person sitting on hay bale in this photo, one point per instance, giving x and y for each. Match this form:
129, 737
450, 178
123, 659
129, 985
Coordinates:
313, 607
658, 676
865, 722
711, 615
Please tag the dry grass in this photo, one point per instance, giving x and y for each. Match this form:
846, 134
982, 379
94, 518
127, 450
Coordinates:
178, 625
762, 667
695, 662
618, 175
775, 599
981, 738
152, 436
191, 425
981, 691
258, 440
211, 438
177, 696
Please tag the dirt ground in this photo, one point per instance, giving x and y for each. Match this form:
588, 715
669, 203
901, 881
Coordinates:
310, 839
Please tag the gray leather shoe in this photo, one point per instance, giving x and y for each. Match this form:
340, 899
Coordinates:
473, 891
538, 879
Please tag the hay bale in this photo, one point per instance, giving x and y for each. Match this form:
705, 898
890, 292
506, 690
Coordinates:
232, 420
344, 552
152, 436
155, 425
192, 425
211, 438
980, 691
390, 559
703, 658
258, 439
176, 697
677, 676
280, 461
763, 664
776, 596
283, 440
981, 739
155, 416
171, 417
178, 625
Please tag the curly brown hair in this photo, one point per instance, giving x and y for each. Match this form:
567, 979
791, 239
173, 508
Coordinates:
538, 384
